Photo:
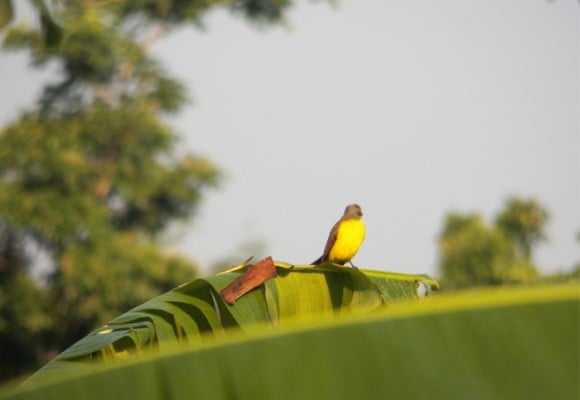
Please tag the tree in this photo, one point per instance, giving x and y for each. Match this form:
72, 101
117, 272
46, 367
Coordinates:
475, 254
90, 176
524, 221
23, 311
472, 253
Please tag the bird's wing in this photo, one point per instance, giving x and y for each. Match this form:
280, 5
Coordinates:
331, 240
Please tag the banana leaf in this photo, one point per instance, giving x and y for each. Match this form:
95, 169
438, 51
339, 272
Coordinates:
195, 311
510, 343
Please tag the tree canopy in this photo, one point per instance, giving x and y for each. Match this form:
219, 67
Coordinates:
90, 177
524, 221
472, 253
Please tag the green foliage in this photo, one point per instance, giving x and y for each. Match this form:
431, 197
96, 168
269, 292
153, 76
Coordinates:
524, 222
475, 254
90, 177
196, 312
485, 344
95, 281
472, 253
23, 312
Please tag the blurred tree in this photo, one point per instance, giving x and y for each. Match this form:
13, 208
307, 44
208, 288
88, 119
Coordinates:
23, 310
524, 221
91, 176
474, 254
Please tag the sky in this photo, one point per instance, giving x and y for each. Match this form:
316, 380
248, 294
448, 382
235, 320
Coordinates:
411, 109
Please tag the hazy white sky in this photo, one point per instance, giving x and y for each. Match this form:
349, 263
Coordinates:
409, 108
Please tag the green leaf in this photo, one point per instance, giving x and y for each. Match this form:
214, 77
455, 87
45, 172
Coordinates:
486, 344
195, 311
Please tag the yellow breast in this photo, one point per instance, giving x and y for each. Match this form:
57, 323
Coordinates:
350, 236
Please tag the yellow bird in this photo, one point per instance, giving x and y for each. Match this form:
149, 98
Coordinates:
345, 237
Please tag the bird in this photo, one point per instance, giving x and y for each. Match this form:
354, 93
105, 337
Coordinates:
345, 238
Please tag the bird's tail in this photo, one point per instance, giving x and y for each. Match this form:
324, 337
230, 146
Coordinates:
317, 261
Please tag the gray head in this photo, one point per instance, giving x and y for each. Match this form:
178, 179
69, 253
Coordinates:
352, 211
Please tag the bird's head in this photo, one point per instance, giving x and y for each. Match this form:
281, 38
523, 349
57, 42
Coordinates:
353, 211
